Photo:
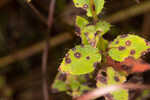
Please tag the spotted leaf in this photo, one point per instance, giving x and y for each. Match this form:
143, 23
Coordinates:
91, 34
73, 85
111, 77
80, 60
59, 84
128, 45
84, 4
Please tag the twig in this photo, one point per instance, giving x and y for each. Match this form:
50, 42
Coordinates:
44, 71
45, 52
42, 18
105, 90
130, 12
36, 48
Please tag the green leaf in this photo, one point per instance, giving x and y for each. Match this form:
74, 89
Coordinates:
90, 34
77, 85
84, 4
111, 77
72, 84
59, 83
81, 22
80, 60
103, 26
128, 45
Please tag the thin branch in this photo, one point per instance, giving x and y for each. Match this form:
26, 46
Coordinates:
44, 71
105, 90
45, 52
31, 50
51, 13
42, 18
129, 12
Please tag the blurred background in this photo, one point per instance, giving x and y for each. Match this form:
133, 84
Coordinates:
23, 27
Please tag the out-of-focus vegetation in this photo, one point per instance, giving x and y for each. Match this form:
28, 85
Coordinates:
22, 33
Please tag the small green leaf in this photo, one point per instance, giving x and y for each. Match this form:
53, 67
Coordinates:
103, 26
81, 22
80, 60
128, 45
99, 4
111, 77
90, 34
59, 83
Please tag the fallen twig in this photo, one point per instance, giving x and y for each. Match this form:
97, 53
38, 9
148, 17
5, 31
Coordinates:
27, 52
105, 90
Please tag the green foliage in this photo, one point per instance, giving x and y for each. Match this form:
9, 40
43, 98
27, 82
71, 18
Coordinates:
111, 77
128, 45
85, 4
90, 34
80, 60
71, 84
81, 22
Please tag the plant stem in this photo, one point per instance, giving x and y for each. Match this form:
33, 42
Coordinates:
92, 7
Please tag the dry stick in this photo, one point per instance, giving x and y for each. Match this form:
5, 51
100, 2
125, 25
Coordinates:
130, 12
42, 18
44, 71
45, 52
31, 50
96, 93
